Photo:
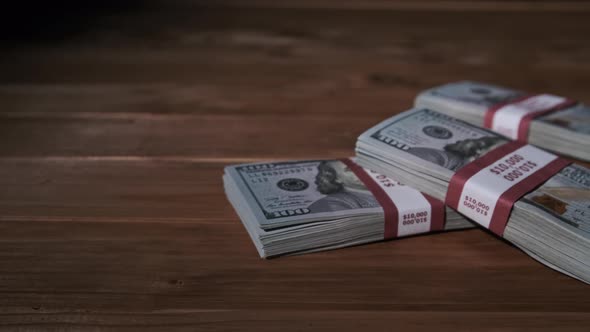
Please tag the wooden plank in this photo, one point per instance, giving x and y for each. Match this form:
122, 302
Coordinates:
125, 191
197, 39
174, 267
208, 136
301, 126
410, 5
298, 320
238, 61
378, 89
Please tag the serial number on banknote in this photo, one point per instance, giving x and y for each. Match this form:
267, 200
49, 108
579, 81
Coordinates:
515, 166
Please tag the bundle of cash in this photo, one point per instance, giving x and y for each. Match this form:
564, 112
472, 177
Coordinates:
555, 123
533, 199
296, 207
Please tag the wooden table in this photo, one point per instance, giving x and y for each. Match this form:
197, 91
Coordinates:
115, 128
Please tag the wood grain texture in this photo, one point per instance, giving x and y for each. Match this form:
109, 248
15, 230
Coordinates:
113, 139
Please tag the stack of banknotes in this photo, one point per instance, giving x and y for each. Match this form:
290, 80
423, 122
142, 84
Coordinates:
425, 149
297, 207
565, 130
468, 154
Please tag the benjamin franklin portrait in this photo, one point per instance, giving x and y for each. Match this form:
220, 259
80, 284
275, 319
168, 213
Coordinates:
456, 155
343, 188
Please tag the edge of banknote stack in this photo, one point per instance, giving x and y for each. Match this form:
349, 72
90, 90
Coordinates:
425, 149
297, 207
548, 121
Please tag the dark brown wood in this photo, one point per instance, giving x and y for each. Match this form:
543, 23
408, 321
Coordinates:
113, 140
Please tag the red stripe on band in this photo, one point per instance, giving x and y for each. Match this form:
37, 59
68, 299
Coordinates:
507, 199
437, 213
525, 122
389, 208
488, 118
510, 196
466, 172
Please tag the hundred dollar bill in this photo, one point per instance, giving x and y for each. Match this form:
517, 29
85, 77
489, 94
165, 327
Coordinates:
426, 149
566, 196
301, 206
548, 121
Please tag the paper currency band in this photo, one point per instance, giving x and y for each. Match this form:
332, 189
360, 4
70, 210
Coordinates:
526, 116
506, 198
391, 211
